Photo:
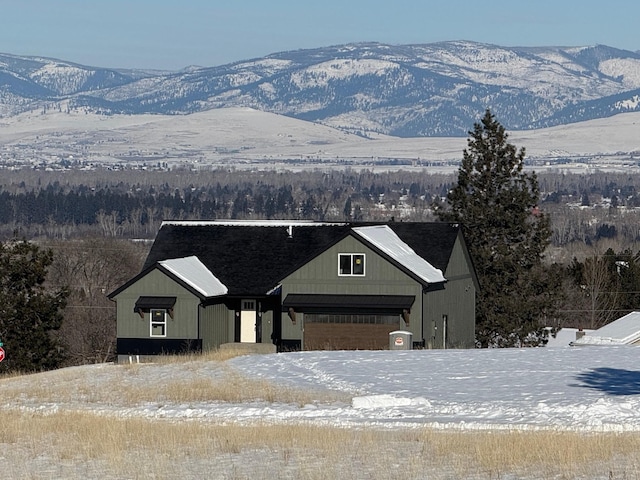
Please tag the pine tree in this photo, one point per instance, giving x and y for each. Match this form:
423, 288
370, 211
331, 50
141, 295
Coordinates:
497, 204
29, 313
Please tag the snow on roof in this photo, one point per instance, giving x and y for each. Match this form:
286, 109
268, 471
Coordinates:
193, 272
565, 337
385, 239
624, 331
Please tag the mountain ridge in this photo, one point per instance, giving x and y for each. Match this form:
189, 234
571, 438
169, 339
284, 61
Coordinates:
418, 90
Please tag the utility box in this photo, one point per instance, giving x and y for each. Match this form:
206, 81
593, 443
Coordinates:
400, 340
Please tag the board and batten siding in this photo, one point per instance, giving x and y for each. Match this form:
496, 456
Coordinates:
184, 323
267, 326
289, 330
320, 276
460, 262
216, 326
457, 302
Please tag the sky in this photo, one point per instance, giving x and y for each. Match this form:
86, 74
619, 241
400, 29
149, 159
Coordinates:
171, 34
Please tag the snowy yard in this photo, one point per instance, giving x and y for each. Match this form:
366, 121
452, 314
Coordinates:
573, 388
583, 391
580, 388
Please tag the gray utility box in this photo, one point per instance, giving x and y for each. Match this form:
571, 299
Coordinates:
400, 340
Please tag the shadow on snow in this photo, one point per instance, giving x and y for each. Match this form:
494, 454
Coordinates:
613, 381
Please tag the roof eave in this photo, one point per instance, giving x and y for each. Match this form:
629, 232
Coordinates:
425, 283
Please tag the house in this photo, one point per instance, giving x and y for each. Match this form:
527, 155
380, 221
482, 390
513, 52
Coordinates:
298, 285
623, 331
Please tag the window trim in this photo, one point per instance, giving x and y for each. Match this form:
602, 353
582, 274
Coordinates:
352, 264
162, 323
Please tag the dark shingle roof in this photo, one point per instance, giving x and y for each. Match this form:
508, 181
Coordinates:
251, 258
248, 259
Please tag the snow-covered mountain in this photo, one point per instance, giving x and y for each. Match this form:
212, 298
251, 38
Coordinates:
437, 89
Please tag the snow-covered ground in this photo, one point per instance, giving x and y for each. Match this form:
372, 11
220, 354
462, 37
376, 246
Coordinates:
393, 394
589, 388
579, 388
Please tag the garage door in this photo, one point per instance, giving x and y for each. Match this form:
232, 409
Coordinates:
348, 332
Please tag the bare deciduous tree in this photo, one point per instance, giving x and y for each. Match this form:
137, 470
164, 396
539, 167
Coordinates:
92, 268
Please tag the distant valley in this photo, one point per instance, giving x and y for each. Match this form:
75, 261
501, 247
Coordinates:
249, 139
370, 105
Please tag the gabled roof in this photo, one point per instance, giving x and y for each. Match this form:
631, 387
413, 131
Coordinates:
193, 272
623, 331
386, 240
252, 257
433, 241
188, 271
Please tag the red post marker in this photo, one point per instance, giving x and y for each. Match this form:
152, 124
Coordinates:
1, 354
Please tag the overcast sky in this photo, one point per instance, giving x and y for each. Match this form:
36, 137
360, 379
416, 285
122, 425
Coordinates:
170, 34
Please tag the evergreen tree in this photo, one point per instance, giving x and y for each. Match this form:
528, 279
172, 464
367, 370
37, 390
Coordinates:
29, 313
347, 209
497, 204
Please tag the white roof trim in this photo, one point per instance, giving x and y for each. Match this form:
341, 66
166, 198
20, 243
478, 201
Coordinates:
193, 272
385, 239
252, 223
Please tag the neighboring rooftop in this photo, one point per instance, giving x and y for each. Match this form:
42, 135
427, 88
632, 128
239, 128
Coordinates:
624, 331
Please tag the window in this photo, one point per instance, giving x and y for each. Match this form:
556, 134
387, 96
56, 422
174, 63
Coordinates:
351, 264
248, 305
158, 323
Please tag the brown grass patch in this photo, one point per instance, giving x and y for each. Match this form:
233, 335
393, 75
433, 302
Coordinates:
230, 387
215, 355
184, 386
71, 445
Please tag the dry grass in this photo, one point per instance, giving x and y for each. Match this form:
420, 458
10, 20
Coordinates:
71, 445
226, 386
541, 454
232, 387
215, 355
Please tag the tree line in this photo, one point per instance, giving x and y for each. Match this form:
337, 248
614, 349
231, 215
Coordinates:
583, 209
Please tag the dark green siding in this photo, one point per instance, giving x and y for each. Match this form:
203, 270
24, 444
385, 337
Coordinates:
267, 327
216, 326
456, 302
183, 325
320, 276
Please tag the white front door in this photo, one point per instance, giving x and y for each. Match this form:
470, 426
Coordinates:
248, 321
